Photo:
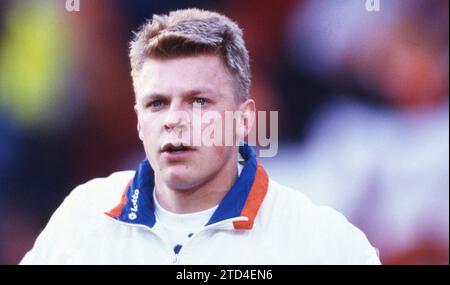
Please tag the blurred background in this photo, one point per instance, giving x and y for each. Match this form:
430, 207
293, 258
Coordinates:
362, 99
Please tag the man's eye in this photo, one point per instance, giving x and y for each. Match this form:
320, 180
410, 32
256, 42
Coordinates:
155, 104
200, 101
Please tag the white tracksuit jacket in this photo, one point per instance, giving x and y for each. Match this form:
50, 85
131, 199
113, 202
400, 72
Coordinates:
111, 221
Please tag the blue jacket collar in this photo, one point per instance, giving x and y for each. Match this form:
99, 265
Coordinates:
243, 199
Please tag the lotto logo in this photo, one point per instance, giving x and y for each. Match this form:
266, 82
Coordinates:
132, 216
134, 209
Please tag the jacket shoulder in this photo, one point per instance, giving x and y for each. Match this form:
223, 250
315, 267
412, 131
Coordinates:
77, 216
105, 192
320, 226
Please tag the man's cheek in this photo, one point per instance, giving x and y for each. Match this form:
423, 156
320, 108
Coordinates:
150, 141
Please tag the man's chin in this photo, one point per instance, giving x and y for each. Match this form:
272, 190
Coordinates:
178, 178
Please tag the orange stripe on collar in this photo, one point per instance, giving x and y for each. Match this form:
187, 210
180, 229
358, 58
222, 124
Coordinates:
116, 211
254, 199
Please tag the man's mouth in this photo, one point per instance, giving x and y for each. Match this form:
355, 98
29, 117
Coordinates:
175, 148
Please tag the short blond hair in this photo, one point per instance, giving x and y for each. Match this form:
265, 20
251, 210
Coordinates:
189, 32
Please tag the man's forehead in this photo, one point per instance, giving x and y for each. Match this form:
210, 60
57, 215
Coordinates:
184, 75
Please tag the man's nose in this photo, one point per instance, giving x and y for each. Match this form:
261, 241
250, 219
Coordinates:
176, 119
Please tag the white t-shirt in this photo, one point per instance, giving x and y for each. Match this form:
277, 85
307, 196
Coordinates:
180, 227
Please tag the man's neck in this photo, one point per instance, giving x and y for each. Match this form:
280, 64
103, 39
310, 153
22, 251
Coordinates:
201, 197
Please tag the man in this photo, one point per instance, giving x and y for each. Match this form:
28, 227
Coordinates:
190, 203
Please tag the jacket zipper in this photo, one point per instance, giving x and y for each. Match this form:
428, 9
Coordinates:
176, 257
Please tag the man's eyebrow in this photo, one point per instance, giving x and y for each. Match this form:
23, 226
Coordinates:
201, 91
190, 93
153, 95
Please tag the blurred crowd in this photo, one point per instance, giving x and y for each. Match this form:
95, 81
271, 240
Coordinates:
362, 99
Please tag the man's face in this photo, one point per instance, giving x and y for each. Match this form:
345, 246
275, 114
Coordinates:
166, 92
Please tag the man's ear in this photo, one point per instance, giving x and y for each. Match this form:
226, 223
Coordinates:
247, 119
141, 137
